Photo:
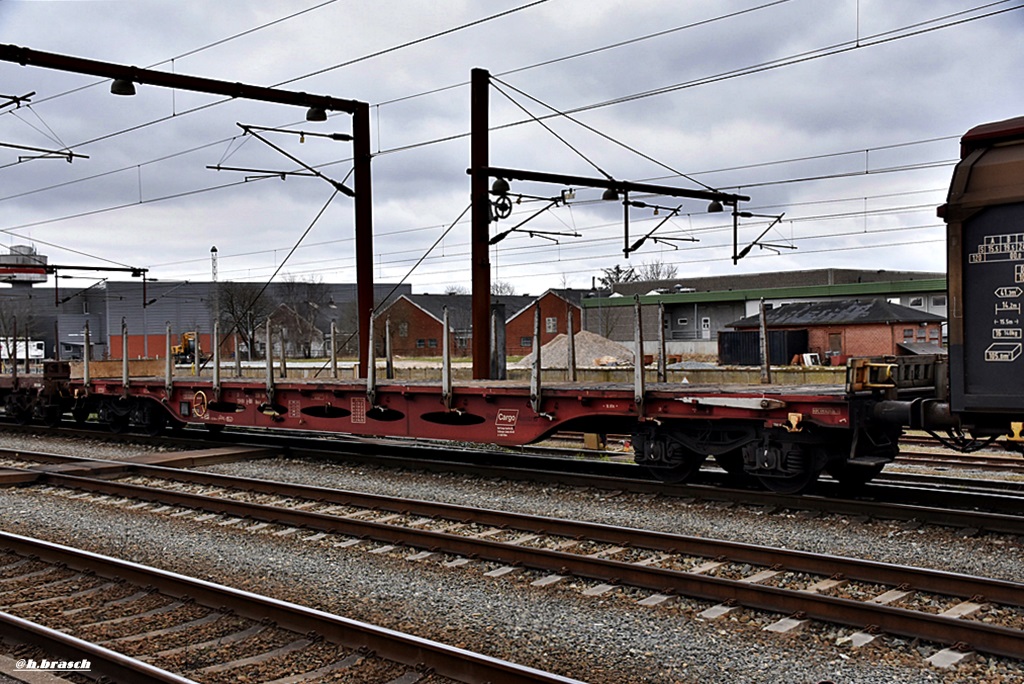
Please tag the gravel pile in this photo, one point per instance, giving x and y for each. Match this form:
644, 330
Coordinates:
597, 639
591, 350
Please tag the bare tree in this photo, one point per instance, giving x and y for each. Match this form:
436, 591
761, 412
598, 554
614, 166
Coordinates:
243, 308
309, 300
503, 288
456, 289
656, 270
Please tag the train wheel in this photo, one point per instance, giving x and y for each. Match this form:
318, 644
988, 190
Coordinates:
665, 457
119, 424
18, 409
156, 420
786, 467
854, 475
53, 416
679, 471
791, 484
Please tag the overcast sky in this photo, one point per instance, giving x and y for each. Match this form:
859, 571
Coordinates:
851, 134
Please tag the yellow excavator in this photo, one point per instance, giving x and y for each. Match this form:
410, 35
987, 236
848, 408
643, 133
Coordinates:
189, 349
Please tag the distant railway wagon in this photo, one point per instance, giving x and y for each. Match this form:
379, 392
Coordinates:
784, 437
34, 350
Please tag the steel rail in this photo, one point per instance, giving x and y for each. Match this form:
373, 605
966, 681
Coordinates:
981, 636
877, 500
115, 666
953, 584
962, 461
447, 661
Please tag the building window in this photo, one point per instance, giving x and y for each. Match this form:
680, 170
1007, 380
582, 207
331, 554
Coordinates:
403, 329
682, 321
922, 334
526, 342
917, 302
421, 343
939, 300
835, 343
933, 335
893, 300
908, 334
705, 323
432, 343
85, 306
551, 324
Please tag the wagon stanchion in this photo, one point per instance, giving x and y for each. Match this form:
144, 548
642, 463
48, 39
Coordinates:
27, 357
535, 383
662, 368
371, 370
270, 363
446, 363
570, 348
766, 360
499, 361
216, 360
389, 357
12, 352
168, 362
334, 349
86, 357
638, 360
124, 356
284, 354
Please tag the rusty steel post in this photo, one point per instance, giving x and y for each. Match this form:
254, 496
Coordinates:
86, 357
168, 362
639, 390
662, 365
124, 356
481, 221
570, 349
446, 362
536, 368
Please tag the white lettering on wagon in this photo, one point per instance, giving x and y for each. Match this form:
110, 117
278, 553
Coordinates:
505, 422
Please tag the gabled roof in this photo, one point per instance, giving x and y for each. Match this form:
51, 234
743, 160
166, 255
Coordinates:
573, 297
460, 306
838, 312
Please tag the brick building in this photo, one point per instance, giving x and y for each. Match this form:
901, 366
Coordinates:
852, 327
697, 309
557, 308
416, 321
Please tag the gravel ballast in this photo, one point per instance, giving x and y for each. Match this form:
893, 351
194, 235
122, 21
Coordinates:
596, 639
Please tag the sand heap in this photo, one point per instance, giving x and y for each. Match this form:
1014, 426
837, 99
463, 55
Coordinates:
591, 350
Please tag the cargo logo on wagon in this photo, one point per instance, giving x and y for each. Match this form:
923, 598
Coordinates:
506, 421
825, 411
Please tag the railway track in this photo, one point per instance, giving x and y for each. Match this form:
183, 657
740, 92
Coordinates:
564, 446
991, 461
134, 623
932, 605
968, 503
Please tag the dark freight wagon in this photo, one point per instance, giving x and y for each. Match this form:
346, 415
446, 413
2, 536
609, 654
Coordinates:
743, 347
